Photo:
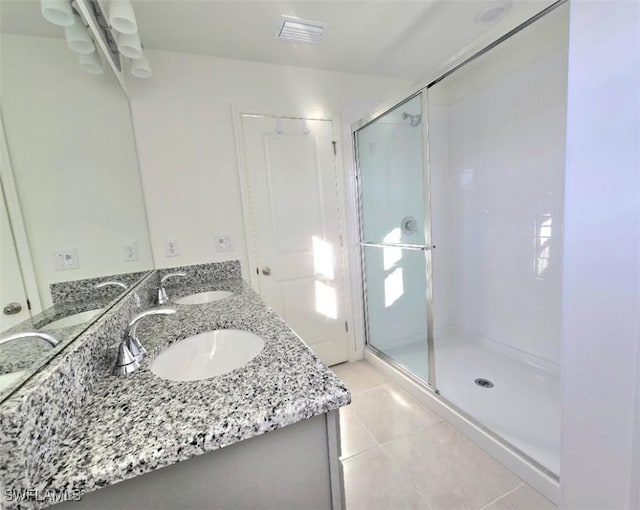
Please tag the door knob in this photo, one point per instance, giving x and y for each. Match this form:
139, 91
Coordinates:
266, 270
12, 308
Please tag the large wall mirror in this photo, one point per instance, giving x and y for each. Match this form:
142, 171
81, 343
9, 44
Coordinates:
74, 233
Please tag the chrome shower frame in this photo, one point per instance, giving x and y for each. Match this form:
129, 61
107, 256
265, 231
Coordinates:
430, 385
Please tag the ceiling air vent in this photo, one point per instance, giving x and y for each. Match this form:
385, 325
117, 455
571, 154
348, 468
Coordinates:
300, 30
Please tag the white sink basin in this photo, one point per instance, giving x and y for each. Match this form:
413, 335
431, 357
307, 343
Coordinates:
74, 320
207, 355
7, 380
203, 297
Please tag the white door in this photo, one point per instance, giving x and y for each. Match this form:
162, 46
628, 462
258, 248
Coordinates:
292, 188
13, 299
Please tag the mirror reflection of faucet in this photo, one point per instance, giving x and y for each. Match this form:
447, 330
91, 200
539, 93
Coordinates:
51, 340
109, 283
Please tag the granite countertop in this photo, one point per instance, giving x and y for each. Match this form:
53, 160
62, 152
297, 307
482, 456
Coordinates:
140, 423
29, 353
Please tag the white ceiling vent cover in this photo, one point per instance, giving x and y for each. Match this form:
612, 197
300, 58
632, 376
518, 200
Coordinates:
300, 30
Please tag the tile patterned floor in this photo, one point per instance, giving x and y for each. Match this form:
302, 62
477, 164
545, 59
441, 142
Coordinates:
397, 455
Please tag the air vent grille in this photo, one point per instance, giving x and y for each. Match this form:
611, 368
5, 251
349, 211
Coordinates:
300, 30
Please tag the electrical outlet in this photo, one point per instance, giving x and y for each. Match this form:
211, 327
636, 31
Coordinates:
223, 243
131, 252
171, 248
64, 260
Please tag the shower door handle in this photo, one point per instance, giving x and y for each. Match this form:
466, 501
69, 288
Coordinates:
421, 247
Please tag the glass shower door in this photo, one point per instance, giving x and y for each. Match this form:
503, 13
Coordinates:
394, 248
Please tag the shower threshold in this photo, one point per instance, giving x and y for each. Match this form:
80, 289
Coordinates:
501, 447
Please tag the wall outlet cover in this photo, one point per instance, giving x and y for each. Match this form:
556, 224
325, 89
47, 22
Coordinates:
223, 243
171, 248
131, 252
64, 260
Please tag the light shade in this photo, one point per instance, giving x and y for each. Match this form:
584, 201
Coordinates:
121, 17
140, 68
129, 45
91, 63
78, 38
57, 12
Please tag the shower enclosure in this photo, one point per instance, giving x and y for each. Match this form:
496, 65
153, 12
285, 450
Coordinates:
460, 189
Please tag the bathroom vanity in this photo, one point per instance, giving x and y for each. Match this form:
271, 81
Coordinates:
265, 435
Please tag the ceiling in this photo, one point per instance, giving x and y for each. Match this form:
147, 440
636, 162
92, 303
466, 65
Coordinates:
393, 38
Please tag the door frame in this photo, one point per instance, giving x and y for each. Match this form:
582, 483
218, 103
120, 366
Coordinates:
18, 227
249, 221
360, 260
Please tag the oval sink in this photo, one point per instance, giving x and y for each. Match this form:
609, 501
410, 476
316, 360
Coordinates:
207, 355
9, 379
203, 297
74, 320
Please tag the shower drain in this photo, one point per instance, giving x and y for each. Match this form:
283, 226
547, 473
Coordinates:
484, 383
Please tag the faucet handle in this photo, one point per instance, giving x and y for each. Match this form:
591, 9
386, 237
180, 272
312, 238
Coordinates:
130, 340
110, 282
126, 362
133, 324
170, 275
163, 299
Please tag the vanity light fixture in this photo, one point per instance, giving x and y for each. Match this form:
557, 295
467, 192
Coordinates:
140, 68
129, 45
118, 30
57, 12
90, 62
78, 38
121, 17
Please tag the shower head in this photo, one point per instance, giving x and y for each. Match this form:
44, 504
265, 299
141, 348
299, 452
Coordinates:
414, 120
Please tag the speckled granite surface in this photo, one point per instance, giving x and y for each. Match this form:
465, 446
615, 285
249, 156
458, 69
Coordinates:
35, 419
202, 273
85, 290
29, 354
130, 426
69, 298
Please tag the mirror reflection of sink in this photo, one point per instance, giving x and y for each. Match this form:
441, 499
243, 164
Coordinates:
7, 380
75, 319
207, 355
203, 297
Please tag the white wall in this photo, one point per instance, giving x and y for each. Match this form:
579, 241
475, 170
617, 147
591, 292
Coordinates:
184, 129
601, 301
73, 156
497, 151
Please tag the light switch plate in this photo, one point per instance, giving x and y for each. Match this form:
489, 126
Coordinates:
64, 260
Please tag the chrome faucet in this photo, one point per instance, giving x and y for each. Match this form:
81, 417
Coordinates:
52, 341
163, 299
131, 351
110, 282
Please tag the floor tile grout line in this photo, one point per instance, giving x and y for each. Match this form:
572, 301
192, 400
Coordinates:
368, 389
405, 475
521, 484
377, 443
423, 427
382, 445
